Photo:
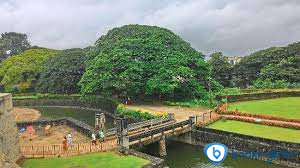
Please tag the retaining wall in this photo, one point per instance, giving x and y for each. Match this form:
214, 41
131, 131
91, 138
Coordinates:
107, 106
245, 143
9, 139
155, 162
79, 126
259, 96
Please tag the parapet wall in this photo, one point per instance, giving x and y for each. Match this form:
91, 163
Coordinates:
259, 96
9, 140
245, 143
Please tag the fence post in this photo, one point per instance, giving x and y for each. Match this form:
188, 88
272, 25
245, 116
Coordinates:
210, 115
32, 152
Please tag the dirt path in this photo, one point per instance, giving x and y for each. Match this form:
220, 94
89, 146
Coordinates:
26, 114
181, 113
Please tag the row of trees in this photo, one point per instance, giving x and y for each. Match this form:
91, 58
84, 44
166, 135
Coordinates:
276, 64
139, 61
132, 60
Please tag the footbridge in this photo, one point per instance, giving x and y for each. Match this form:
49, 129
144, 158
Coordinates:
152, 131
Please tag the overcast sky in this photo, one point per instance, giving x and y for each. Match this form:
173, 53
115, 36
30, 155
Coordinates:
235, 27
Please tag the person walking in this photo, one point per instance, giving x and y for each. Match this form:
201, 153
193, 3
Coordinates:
101, 134
70, 139
65, 145
94, 142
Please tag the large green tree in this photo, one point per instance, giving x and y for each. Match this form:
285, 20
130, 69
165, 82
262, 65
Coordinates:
276, 63
21, 71
137, 60
62, 72
12, 43
221, 68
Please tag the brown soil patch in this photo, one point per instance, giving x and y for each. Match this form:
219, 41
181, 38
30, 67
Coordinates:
26, 114
181, 113
57, 134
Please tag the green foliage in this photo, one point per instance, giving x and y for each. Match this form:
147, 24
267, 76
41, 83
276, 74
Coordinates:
12, 43
62, 72
138, 61
268, 84
229, 91
199, 103
287, 69
134, 114
221, 69
274, 64
277, 84
20, 72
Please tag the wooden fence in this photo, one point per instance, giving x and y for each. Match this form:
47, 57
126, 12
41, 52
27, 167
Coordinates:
75, 149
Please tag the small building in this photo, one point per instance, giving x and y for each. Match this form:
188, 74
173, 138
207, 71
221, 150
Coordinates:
233, 59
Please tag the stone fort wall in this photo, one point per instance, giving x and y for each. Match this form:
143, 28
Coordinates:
9, 140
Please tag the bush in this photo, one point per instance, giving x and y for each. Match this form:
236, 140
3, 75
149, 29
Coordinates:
229, 91
268, 84
207, 101
135, 114
264, 122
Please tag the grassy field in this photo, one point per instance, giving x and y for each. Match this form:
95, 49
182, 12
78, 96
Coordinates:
95, 160
288, 107
264, 131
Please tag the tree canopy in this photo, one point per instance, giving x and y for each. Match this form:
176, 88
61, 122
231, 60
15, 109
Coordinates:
276, 63
21, 71
138, 60
62, 72
12, 43
221, 69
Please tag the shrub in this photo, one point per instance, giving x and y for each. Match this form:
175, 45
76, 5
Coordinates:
134, 114
268, 84
222, 110
265, 122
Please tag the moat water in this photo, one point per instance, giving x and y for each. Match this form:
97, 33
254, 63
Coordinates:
181, 155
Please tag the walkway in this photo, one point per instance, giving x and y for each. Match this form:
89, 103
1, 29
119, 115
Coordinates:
181, 113
76, 149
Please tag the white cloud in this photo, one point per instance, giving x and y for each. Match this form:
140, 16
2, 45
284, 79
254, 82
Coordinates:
232, 26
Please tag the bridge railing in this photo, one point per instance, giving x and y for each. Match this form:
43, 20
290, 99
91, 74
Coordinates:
144, 124
152, 122
159, 130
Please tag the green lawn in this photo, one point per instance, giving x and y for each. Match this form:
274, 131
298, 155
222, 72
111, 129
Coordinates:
264, 131
288, 107
95, 160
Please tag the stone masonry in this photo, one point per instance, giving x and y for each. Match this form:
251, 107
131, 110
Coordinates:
9, 140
